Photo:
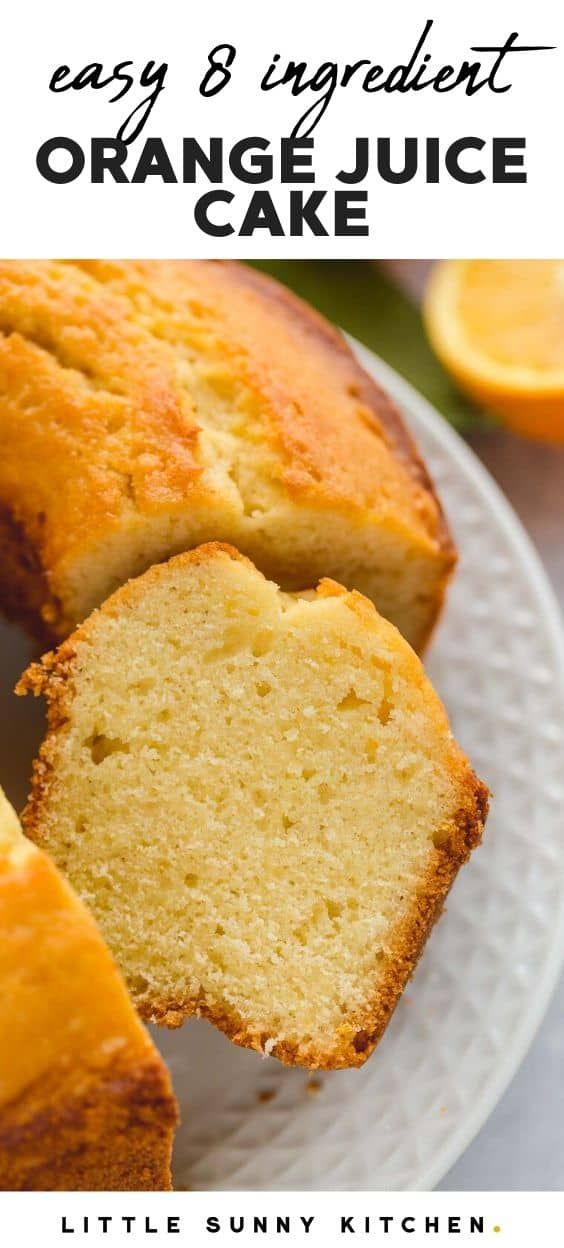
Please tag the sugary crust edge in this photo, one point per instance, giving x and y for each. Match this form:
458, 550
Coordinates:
52, 678
367, 390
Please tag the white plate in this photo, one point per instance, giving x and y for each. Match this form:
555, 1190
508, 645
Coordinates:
485, 979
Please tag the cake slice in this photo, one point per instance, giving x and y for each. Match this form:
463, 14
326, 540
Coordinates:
149, 406
85, 1100
258, 795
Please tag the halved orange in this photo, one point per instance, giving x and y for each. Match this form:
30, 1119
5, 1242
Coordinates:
498, 327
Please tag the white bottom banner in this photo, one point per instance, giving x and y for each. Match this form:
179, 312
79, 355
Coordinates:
510, 1219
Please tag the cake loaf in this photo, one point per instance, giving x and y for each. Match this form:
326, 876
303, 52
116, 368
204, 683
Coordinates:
258, 795
85, 1100
149, 406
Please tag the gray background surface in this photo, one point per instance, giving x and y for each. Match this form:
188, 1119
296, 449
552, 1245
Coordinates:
521, 1147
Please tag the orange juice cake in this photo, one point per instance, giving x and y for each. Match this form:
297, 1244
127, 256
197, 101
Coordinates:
85, 1100
258, 795
147, 407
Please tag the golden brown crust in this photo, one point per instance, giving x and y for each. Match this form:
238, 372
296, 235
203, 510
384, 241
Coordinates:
112, 1135
85, 1099
53, 677
102, 434
326, 458
358, 383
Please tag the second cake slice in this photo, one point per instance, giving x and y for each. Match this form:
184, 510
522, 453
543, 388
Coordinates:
258, 795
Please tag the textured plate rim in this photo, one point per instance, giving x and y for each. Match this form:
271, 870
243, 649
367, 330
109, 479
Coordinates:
414, 404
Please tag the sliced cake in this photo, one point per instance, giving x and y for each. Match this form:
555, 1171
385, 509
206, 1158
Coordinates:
258, 795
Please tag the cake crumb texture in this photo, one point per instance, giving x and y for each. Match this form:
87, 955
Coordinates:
259, 796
